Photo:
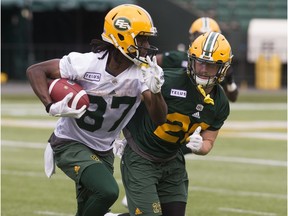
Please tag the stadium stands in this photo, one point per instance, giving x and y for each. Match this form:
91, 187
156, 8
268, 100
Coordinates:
234, 17
237, 11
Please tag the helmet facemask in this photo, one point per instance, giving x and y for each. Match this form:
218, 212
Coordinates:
206, 81
138, 53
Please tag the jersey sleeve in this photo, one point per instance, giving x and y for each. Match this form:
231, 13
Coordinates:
223, 115
222, 110
74, 65
144, 87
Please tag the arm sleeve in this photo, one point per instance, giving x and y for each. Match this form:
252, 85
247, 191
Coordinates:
74, 65
221, 115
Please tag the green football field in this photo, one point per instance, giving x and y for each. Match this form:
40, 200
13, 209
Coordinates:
244, 175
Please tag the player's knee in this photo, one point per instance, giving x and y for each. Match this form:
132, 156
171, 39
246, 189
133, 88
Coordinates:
105, 188
110, 194
108, 191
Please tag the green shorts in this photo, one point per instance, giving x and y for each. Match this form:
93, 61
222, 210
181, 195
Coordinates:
149, 184
72, 158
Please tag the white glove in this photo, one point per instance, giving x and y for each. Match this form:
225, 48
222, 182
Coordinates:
195, 140
153, 75
118, 147
61, 108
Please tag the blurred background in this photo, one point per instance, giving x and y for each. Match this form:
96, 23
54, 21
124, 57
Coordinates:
38, 30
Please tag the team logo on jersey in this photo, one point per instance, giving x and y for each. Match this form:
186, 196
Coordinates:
76, 169
178, 93
94, 157
92, 76
156, 207
138, 211
196, 115
199, 107
122, 24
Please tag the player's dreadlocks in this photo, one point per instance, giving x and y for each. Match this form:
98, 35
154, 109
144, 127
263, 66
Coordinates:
100, 46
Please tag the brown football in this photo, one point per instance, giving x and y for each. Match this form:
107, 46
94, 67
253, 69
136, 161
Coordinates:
59, 88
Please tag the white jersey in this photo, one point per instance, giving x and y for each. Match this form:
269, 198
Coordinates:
113, 100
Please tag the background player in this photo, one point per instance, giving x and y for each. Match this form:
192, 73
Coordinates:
178, 59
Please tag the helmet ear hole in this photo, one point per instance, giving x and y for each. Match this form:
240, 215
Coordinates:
121, 37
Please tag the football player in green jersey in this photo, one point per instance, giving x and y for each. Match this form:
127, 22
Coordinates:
176, 59
153, 164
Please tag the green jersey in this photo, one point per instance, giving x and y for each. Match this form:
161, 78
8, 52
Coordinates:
186, 111
175, 59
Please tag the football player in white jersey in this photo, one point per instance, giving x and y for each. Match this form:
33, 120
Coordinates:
116, 75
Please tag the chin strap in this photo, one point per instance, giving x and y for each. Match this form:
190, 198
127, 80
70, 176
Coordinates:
207, 98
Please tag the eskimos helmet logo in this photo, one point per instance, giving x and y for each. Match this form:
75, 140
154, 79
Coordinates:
122, 24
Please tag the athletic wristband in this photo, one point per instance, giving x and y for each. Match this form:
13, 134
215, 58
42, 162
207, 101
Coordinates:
232, 87
48, 107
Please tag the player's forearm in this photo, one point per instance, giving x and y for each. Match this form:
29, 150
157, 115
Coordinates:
158, 109
38, 74
38, 83
209, 138
206, 147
